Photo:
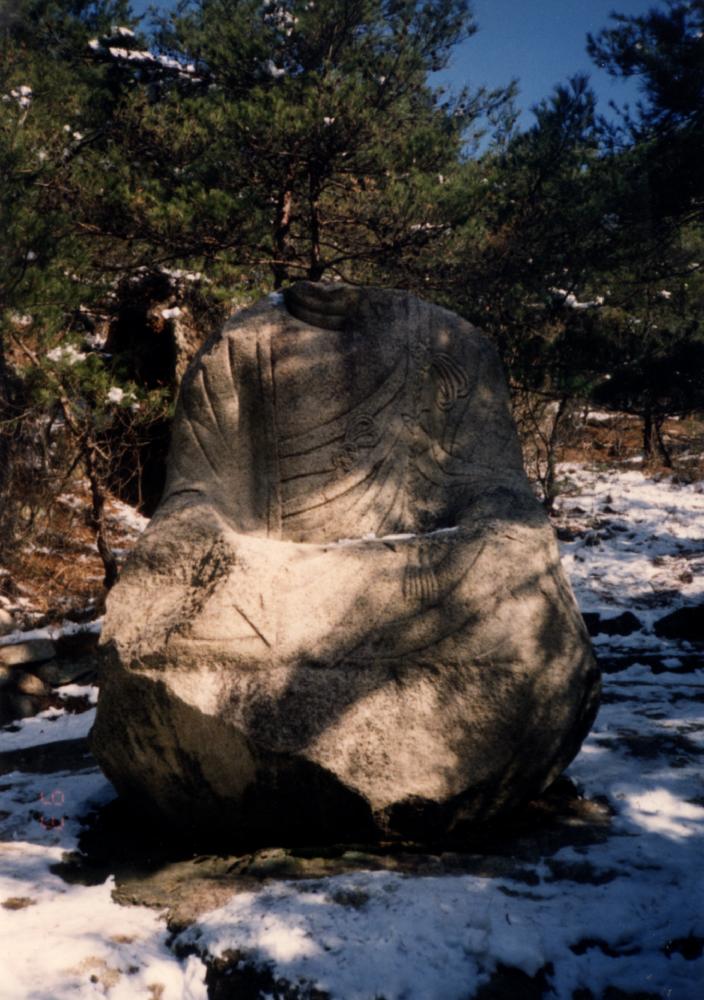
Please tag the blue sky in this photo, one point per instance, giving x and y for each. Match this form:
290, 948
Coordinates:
539, 42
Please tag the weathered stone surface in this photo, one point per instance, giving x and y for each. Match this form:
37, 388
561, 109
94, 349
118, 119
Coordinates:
29, 651
348, 615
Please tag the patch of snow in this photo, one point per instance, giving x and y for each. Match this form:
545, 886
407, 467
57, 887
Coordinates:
173, 313
51, 632
48, 727
21, 95
12, 638
128, 517
67, 355
570, 300
144, 58
273, 70
278, 17
179, 274
601, 416
21, 319
89, 691
96, 341
61, 941
401, 537
115, 394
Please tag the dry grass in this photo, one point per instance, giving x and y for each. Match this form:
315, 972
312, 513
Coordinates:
620, 439
57, 573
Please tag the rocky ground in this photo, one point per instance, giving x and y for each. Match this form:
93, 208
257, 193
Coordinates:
593, 892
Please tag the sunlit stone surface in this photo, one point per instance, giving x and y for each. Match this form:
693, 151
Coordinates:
348, 615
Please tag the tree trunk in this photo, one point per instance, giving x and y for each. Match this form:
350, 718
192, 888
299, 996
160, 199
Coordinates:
98, 495
316, 268
665, 456
648, 446
284, 209
550, 490
4, 417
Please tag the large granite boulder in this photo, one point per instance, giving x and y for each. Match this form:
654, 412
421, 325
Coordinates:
348, 615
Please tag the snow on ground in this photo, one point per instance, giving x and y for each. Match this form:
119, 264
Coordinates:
72, 941
48, 727
52, 631
623, 913
643, 548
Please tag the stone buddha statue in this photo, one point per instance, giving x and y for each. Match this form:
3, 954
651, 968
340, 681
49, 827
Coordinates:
348, 615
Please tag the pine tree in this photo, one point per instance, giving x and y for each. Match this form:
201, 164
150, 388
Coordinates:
659, 146
57, 111
664, 51
315, 144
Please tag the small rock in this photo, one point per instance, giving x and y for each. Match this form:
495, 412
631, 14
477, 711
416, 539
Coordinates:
77, 645
24, 706
274, 862
591, 620
353, 898
27, 683
592, 539
17, 902
623, 624
567, 533
55, 672
7, 715
29, 651
81, 615
685, 623
7, 622
50, 673
690, 948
